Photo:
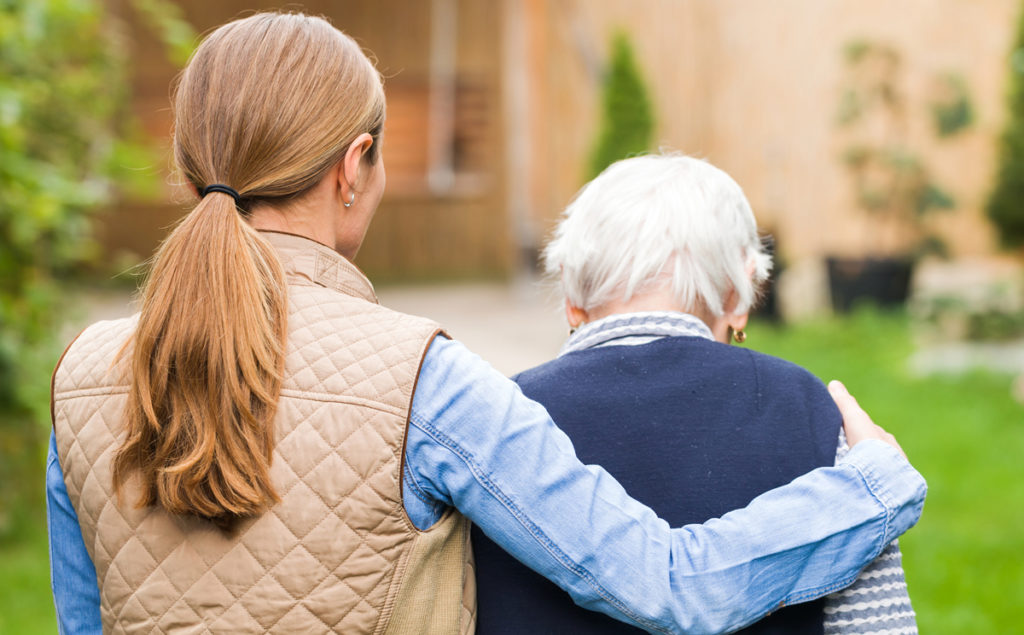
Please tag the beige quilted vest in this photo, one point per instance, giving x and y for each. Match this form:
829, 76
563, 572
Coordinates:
338, 552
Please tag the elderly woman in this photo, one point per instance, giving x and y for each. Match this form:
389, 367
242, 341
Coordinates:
660, 264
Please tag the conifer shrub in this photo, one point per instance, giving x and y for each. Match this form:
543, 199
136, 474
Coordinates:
1006, 203
627, 121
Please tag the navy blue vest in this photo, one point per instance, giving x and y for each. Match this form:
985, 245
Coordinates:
690, 427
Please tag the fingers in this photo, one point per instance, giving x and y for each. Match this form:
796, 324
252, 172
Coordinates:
857, 424
853, 415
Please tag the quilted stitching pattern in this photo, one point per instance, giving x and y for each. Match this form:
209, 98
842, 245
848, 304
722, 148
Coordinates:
323, 559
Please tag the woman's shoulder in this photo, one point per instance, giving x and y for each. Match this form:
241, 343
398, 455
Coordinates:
769, 369
774, 368
89, 358
313, 304
102, 338
785, 392
712, 360
782, 387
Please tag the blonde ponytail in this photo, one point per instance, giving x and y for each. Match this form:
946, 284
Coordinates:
206, 367
207, 359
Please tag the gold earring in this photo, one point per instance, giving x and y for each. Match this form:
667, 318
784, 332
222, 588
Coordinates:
739, 336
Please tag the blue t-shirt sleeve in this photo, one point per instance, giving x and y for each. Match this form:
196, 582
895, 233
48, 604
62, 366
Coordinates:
477, 444
76, 594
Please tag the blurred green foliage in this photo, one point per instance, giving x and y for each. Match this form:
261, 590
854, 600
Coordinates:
990, 313
62, 94
952, 110
167, 20
627, 122
68, 142
1006, 203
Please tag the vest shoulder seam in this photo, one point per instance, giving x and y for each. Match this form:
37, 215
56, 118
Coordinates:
92, 391
326, 397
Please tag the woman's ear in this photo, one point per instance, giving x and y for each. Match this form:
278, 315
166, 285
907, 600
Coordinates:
352, 166
574, 315
738, 322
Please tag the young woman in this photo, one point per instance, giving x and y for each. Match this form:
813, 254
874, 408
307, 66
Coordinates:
265, 448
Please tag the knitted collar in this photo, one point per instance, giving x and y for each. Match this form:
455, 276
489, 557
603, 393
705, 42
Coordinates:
630, 329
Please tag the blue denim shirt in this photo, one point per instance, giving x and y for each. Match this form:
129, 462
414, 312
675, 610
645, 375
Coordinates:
475, 443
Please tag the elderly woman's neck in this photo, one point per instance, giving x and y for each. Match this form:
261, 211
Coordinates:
655, 301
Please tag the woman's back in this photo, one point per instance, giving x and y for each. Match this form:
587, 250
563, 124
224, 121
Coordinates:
693, 428
333, 552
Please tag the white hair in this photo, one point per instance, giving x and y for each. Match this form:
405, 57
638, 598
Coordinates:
657, 219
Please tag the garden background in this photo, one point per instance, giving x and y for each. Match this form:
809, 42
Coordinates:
878, 144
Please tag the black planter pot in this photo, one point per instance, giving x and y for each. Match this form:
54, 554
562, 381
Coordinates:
884, 282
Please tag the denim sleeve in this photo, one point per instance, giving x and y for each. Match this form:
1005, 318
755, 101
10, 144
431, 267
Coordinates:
476, 443
76, 594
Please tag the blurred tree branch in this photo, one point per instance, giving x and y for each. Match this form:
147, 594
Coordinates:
68, 141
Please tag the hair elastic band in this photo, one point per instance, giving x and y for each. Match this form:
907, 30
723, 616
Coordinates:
223, 189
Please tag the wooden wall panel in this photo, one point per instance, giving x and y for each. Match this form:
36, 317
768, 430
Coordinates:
754, 87
462, 230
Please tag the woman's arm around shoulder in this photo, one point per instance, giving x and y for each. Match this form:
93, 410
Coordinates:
877, 602
477, 444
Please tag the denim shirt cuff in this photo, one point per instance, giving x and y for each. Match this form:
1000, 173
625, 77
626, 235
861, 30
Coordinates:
893, 481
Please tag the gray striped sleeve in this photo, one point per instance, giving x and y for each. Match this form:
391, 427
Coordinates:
877, 603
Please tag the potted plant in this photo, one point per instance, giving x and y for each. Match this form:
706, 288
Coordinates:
891, 183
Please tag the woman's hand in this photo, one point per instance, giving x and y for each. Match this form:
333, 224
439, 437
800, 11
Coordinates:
857, 424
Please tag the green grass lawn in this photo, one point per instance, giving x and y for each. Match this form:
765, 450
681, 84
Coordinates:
964, 561
25, 603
